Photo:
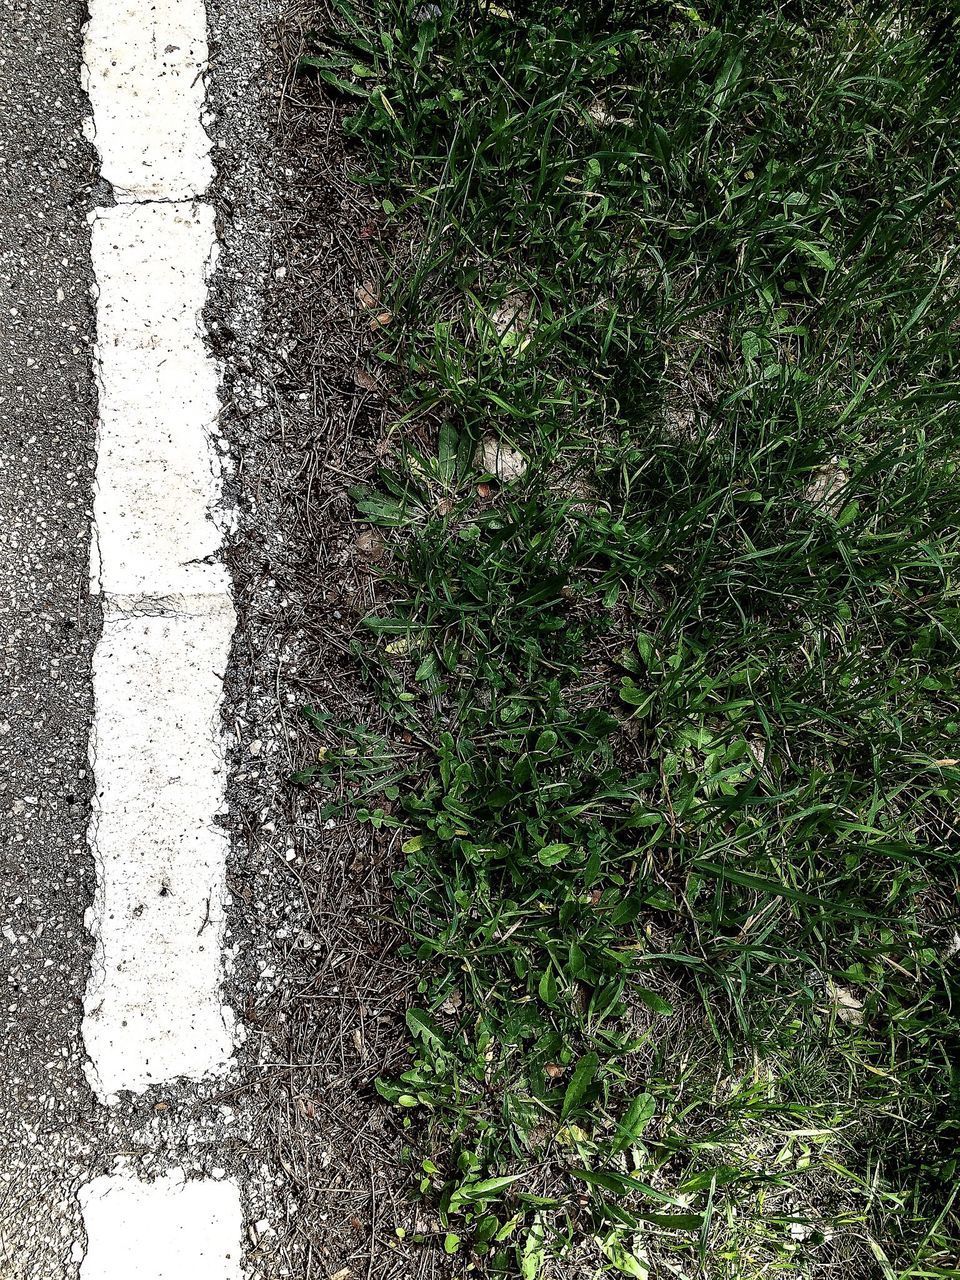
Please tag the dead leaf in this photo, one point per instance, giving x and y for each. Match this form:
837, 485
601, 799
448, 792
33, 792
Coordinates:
452, 1003
600, 113
758, 750
257, 1230
825, 487
368, 295
370, 544
572, 1136
513, 323
848, 1008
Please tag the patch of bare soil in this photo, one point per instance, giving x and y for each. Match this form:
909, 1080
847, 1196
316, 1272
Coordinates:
321, 986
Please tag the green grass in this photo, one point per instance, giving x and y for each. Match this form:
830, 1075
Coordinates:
674, 715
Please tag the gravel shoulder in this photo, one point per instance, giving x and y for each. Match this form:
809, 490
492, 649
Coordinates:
319, 989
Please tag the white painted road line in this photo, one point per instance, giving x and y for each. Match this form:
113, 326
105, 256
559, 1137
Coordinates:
153, 1006
145, 61
153, 1010
157, 472
164, 1230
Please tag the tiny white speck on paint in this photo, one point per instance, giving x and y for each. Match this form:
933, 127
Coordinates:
170, 1229
144, 67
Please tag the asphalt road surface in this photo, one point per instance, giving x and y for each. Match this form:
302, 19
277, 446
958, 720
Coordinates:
47, 631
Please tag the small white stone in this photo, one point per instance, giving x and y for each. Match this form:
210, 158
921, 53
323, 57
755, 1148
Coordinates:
500, 460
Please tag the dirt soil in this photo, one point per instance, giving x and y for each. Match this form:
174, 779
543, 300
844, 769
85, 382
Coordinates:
315, 948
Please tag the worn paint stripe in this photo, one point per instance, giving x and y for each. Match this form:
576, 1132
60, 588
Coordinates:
158, 474
144, 67
170, 1229
153, 1009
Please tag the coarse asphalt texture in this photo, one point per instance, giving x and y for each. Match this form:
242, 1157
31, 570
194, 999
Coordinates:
47, 628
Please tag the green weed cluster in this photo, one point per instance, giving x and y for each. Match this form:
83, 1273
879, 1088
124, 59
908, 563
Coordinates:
669, 643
